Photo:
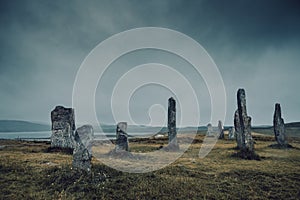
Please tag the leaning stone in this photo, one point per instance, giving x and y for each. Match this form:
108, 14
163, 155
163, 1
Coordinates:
220, 130
172, 132
86, 135
82, 154
63, 126
279, 129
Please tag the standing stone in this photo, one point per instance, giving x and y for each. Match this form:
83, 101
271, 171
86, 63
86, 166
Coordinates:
231, 133
122, 145
220, 130
172, 133
122, 137
244, 130
238, 131
82, 154
212, 131
209, 130
86, 135
63, 126
279, 129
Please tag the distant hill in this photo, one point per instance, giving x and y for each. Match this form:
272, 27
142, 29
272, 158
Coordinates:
293, 125
22, 126
291, 129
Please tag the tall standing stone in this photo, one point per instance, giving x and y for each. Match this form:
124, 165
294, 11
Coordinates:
122, 137
63, 127
279, 129
247, 145
172, 132
82, 154
220, 130
238, 131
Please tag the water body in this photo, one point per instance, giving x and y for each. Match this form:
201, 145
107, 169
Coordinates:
45, 135
20, 135
108, 134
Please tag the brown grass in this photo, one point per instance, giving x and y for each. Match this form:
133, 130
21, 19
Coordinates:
28, 171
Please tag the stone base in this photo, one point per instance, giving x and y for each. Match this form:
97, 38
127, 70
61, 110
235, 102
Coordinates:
278, 146
172, 147
247, 155
63, 142
210, 136
82, 159
121, 154
82, 165
60, 149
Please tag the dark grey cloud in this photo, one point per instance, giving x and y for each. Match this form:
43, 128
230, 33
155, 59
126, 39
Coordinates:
255, 44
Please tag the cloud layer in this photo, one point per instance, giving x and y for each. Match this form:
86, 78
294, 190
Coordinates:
255, 44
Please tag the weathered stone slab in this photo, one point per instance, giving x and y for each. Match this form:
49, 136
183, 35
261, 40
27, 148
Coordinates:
238, 131
82, 153
121, 149
122, 137
172, 132
245, 121
243, 128
210, 130
231, 133
86, 135
279, 129
63, 126
220, 130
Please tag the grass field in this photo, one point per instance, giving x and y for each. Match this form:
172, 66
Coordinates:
29, 171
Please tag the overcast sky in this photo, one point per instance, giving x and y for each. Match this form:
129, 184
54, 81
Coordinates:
255, 44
